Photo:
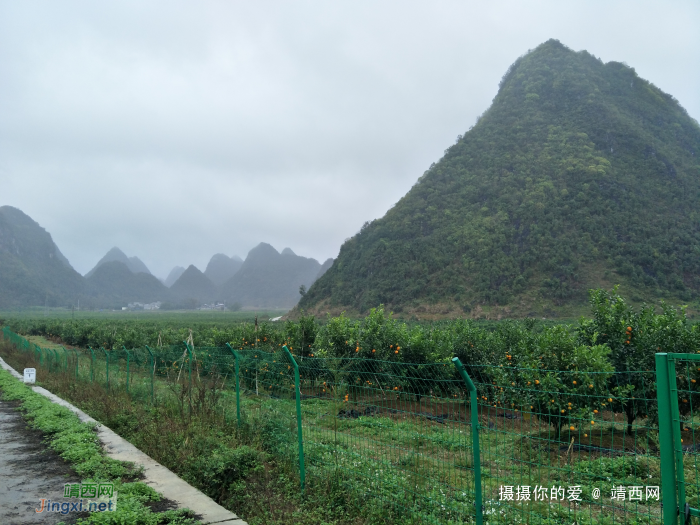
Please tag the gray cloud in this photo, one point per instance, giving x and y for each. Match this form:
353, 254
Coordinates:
176, 130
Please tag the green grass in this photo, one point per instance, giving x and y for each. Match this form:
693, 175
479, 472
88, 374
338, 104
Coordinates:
77, 443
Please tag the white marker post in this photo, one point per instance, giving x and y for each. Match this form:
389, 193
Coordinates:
29, 375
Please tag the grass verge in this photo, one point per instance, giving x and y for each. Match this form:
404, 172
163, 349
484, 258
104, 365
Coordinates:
77, 443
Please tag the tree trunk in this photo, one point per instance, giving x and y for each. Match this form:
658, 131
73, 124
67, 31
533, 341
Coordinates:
629, 410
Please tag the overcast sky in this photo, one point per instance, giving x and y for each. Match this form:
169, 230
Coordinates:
176, 130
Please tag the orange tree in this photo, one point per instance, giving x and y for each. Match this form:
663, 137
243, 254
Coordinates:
554, 377
634, 338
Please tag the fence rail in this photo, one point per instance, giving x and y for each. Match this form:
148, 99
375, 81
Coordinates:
446, 442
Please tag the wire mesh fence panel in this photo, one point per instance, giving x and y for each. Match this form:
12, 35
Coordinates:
267, 383
399, 431
397, 434
568, 446
679, 397
577, 444
687, 377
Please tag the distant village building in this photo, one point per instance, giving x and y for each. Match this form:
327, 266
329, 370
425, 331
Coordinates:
142, 306
213, 306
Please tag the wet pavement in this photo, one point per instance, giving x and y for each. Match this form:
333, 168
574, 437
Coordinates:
29, 471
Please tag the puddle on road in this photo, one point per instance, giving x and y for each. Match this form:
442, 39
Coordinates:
29, 471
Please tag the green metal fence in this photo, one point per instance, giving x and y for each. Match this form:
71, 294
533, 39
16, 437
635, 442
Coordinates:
678, 396
444, 442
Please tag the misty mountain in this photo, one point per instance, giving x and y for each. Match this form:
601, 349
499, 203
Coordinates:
115, 254
173, 276
270, 279
193, 284
222, 267
325, 267
114, 285
32, 268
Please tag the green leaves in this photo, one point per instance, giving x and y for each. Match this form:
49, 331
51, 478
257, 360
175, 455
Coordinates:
571, 172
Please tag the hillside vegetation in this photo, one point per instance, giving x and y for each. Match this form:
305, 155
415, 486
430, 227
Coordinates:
581, 174
32, 268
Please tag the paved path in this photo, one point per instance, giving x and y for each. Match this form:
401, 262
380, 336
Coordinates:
28, 472
155, 474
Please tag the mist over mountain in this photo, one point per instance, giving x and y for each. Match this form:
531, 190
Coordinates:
222, 267
114, 285
270, 279
194, 285
32, 268
581, 174
173, 276
325, 267
34, 272
115, 254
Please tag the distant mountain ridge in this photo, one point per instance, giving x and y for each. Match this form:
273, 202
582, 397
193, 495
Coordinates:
173, 276
34, 272
115, 254
222, 267
193, 284
325, 267
270, 279
114, 284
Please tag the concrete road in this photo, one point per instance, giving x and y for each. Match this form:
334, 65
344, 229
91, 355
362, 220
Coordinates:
29, 471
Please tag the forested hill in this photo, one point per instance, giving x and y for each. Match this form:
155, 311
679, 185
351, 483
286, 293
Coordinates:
32, 268
581, 174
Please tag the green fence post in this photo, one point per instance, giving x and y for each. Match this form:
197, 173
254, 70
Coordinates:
238, 388
77, 361
676, 430
107, 360
152, 366
65, 356
669, 496
300, 435
92, 365
475, 439
128, 359
56, 359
